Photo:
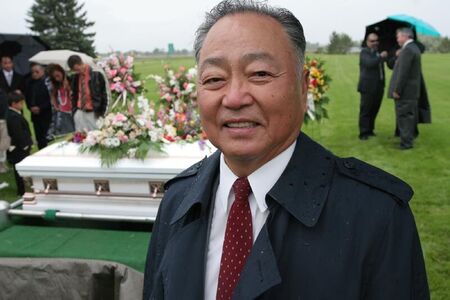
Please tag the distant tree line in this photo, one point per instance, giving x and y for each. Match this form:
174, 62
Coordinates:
341, 43
64, 25
435, 44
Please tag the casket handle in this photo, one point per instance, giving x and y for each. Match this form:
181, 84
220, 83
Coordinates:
47, 188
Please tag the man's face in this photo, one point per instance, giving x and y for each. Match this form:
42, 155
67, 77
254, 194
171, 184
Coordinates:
77, 68
402, 38
18, 105
7, 64
372, 41
37, 72
251, 99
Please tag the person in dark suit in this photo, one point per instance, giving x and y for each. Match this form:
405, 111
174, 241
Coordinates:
423, 105
272, 214
37, 97
20, 134
10, 80
404, 87
370, 85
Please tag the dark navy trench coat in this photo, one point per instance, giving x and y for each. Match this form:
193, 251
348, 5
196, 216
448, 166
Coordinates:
337, 229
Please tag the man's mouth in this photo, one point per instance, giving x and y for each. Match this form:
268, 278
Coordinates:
240, 124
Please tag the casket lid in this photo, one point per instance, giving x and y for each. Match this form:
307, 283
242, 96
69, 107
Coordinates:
63, 159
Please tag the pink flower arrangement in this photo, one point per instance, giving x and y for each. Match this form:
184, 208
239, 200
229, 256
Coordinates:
122, 82
178, 104
135, 127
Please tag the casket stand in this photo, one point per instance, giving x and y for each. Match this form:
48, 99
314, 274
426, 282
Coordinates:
66, 183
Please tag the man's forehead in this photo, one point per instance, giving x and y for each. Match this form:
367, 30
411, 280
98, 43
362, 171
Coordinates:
255, 37
245, 58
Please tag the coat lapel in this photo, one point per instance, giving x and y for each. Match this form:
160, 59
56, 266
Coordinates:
184, 258
301, 192
260, 272
303, 187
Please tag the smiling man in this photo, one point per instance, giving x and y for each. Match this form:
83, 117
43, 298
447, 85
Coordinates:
272, 214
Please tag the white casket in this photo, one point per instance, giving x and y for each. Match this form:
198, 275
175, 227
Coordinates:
66, 181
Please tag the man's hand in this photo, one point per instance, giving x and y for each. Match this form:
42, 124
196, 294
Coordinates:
397, 53
35, 110
396, 95
383, 54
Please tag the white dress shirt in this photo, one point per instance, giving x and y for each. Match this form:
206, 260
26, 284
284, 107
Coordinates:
407, 42
261, 181
8, 76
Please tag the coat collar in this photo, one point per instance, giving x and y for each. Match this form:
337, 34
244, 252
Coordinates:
200, 192
303, 187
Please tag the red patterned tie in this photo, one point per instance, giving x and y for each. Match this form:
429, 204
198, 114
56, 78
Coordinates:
238, 240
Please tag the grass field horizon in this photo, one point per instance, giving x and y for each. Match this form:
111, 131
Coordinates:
426, 167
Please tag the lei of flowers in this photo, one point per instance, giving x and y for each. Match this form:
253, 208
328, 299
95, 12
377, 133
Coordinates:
123, 82
318, 85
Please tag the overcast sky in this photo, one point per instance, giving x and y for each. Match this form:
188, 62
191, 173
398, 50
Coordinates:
122, 25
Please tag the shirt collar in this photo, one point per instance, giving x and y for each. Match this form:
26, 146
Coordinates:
407, 42
7, 72
261, 180
17, 111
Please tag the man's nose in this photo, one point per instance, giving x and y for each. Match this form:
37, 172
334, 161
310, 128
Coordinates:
237, 95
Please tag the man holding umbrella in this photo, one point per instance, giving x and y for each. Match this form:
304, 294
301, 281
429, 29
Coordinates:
405, 86
370, 85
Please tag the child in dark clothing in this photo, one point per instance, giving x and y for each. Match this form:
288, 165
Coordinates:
20, 134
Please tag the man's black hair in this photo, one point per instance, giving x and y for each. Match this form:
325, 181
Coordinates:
15, 97
74, 60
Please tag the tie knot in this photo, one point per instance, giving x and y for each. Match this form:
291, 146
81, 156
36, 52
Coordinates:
242, 189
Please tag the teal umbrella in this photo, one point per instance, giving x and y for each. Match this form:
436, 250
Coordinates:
421, 26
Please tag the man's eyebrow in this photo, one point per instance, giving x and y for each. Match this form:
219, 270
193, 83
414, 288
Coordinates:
212, 61
245, 59
255, 56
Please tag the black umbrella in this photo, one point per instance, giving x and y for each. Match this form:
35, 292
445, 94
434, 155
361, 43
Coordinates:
386, 31
10, 48
21, 47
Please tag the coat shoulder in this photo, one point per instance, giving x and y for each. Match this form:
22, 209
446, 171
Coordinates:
376, 178
189, 172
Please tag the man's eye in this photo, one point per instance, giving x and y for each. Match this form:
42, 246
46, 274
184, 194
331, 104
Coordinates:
213, 83
212, 80
261, 74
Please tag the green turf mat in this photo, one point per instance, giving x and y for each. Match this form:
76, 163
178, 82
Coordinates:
126, 247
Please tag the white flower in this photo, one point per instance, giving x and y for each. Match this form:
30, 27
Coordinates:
154, 135
141, 122
111, 142
90, 140
170, 130
131, 152
191, 73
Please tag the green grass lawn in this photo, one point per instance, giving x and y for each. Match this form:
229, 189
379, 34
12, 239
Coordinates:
426, 168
